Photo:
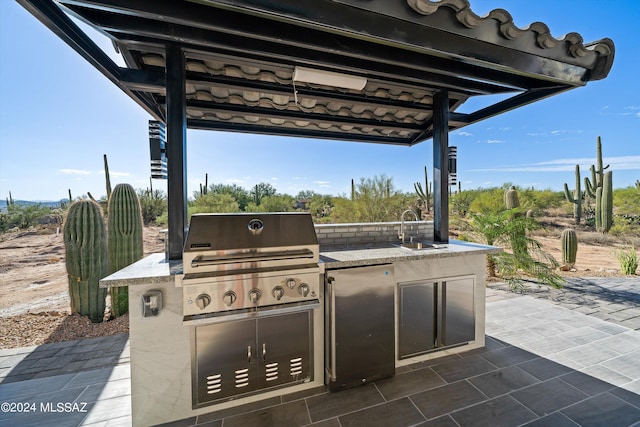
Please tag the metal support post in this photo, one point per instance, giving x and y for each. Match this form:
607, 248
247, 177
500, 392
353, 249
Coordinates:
176, 150
440, 167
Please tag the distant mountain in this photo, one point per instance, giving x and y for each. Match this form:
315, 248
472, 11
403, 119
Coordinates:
49, 203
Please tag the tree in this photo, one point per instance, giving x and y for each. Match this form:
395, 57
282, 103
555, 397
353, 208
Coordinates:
214, 203
275, 203
261, 190
306, 195
320, 205
238, 193
376, 200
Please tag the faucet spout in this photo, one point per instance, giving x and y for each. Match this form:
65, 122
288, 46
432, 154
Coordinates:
401, 234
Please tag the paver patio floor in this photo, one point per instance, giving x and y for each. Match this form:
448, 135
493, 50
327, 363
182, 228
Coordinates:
547, 362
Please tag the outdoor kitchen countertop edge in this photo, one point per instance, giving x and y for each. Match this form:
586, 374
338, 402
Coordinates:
156, 269
354, 256
151, 269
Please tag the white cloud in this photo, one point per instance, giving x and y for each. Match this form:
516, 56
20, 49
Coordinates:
234, 180
638, 115
323, 184
75, 172
463, 133
564, 165
495, 141
632, 107
119, 173
604, 108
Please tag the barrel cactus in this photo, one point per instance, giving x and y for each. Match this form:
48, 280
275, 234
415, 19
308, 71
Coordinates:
85, 242
511, 198
569, 242
125, 239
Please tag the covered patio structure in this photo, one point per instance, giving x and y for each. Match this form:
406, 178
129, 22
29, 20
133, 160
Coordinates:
377, 71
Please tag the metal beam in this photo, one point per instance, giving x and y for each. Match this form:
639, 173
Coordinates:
440, 167
176, 150
247, 34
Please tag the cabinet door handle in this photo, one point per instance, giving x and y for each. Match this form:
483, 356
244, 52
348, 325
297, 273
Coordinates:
264, 352
249, 353
332, 327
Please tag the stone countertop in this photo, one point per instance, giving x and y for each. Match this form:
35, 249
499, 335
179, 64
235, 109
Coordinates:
151, 269
370, 255
156, 269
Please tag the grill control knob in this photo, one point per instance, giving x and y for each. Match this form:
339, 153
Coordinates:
291, 283
229, 298
202, 301
254, 295
303, 289
278, 292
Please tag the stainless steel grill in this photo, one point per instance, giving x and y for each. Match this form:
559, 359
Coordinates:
248, 261
251, 284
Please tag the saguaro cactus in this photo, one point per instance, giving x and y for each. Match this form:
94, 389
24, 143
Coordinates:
577, 197
569, 242
596, 188
423, 194
85, 241
511, 198
604, 204
125, 239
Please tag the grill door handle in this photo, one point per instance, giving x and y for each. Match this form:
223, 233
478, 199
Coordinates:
264, 352
249, 353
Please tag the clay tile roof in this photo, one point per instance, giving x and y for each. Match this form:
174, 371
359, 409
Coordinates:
241, 56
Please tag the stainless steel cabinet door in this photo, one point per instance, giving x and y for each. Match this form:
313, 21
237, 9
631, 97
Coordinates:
459, 314
417, 318
284, 347
363, 311
225, 360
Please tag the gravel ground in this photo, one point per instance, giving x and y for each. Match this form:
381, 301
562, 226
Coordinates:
41, 328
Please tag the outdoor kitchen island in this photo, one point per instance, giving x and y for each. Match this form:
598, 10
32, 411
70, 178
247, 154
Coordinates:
162, 342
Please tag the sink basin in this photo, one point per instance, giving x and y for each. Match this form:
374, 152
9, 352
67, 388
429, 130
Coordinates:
415, 246
418, 246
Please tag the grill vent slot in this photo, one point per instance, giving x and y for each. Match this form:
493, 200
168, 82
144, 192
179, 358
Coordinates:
214, 384
295, 366
271, 371
242, 378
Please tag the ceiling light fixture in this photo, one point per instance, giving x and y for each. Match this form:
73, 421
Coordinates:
328, 78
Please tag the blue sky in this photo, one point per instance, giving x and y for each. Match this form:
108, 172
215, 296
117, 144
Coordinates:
58, 116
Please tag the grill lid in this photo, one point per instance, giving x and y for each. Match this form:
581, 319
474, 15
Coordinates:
216, 232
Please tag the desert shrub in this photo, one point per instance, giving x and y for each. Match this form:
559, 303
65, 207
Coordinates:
540, 200
374, 200
487, 201
320, 207
22, 216
213, 203
627, 201
628, 260
624, 225
274, 203
152, 204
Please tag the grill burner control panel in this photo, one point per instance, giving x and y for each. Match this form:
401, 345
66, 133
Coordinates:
241, 293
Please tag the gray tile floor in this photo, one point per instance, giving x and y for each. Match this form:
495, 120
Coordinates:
553, 358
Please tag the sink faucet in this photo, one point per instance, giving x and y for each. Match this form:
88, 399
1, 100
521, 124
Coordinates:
401, 235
